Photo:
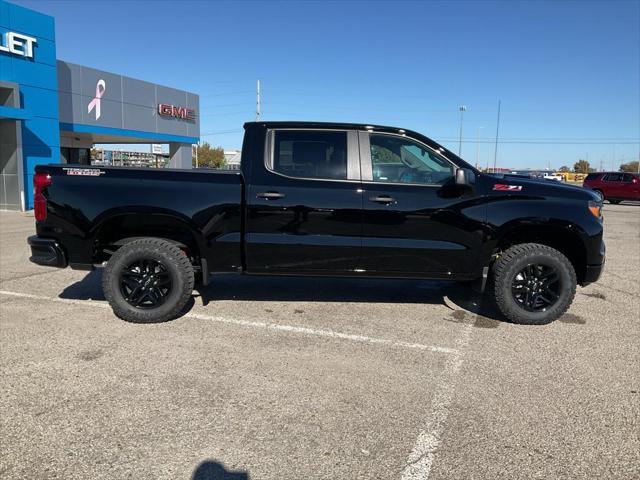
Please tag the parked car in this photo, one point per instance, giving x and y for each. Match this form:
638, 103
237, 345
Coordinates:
614, 186
552, 176
328, 199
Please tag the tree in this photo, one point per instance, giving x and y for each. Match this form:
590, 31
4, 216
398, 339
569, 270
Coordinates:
212, 157
631, 167
581, 166
564, 169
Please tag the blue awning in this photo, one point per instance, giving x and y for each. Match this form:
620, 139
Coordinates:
12, 113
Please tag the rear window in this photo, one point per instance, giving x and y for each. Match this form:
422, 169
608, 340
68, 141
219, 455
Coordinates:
311, 154
592, 176
628, 178
613, 177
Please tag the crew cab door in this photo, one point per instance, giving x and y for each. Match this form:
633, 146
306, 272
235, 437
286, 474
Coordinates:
304, 203
416, 220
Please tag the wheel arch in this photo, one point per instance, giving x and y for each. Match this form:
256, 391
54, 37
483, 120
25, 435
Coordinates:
117, 229
565, 237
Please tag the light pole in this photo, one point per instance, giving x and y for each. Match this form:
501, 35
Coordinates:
495, 151
462, 108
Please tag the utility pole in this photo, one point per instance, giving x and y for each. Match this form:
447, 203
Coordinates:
258, 101
462, 108
478, 148
495, 151
613, 158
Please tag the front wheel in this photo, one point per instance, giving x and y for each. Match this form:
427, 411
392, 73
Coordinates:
148, 280
534, 284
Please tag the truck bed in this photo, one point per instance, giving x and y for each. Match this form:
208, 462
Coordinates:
87, 201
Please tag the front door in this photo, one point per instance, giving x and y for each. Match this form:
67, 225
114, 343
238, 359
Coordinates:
630, 188
304, 204
416, 221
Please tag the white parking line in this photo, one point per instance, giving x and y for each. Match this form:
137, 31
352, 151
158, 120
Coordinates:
422, 455
263, 325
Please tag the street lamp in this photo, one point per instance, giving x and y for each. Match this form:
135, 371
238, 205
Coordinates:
462, 108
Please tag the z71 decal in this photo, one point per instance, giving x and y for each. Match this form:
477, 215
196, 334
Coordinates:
87, 172
505, 187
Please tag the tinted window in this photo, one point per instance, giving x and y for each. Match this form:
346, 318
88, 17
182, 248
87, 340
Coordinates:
310, 154
613, 177
401, 160
592, 176
627, 178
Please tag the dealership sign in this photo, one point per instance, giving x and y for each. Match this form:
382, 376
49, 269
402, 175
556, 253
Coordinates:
17, 44
183, 113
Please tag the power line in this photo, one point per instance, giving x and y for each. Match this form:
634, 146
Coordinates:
237, 92
537, 142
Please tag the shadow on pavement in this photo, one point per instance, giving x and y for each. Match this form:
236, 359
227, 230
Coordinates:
89, 288
316, 289
212, 470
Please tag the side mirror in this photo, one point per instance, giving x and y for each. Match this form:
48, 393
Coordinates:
465, 176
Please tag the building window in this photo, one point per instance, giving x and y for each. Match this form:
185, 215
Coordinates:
76, 156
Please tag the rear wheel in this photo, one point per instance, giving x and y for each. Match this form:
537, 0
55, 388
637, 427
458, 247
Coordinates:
534, 284
599, 192
148, 280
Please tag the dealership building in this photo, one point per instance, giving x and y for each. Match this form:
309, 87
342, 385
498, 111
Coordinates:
52, 111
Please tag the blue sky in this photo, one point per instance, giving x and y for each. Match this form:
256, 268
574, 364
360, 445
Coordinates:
567, 73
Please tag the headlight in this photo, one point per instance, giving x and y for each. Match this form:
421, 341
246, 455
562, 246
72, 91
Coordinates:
596, 209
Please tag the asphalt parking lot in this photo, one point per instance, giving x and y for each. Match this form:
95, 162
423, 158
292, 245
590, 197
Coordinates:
307, 378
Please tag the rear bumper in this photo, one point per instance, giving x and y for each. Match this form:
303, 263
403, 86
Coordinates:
47, 252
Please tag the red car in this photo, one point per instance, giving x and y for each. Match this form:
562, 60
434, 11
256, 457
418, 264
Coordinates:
614, 186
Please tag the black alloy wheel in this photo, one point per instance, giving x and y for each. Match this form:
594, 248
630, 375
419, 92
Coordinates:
536, 287
148, 280
145, 283
533, 284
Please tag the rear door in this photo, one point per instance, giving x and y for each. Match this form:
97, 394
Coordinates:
416, 221
304, 203
611, 185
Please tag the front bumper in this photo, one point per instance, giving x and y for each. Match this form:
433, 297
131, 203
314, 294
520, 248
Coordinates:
592, 273
45, 251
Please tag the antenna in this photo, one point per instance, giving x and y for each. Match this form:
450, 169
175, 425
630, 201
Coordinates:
258, 101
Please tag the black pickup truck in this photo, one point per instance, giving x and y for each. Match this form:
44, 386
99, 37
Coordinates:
328, 199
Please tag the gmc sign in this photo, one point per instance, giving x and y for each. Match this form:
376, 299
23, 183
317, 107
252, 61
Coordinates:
183, 113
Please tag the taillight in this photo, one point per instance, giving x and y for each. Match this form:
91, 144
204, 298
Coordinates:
40, 182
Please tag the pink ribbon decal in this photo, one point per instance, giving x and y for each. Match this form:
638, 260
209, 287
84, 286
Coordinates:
101, 86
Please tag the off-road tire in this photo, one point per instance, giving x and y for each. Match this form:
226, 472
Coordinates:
171, 257
511, 262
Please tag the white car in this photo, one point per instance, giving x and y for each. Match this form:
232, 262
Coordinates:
548, 176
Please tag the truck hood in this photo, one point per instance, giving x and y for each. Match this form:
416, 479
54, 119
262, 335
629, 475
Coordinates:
539, 186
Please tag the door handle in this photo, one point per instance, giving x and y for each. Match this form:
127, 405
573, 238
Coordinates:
270, 195
386, 199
